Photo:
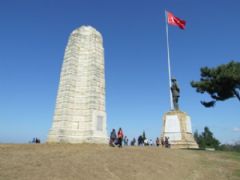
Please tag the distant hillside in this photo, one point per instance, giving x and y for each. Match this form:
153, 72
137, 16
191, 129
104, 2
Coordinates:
99, 162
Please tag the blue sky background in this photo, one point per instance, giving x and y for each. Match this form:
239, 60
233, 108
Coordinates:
33, 36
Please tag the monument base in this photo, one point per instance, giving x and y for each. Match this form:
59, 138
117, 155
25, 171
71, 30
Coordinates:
77, 140
77, 137
74, 140
90, 129
177, 127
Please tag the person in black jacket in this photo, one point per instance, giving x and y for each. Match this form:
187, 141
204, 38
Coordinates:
113, 138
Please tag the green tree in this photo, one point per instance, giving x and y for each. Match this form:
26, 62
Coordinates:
206, 139
196, 135
221, 83
143, 135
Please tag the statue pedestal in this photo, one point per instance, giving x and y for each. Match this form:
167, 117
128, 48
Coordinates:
177, 126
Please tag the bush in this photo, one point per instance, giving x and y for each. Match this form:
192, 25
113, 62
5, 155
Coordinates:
230, 147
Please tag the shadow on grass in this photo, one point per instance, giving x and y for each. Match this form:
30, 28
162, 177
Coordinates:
194, 149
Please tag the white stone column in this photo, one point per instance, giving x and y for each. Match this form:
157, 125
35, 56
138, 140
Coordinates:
80, 114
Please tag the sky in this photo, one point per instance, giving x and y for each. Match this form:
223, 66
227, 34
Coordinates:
34, 34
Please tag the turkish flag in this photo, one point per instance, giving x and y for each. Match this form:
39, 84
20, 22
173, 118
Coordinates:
175, 21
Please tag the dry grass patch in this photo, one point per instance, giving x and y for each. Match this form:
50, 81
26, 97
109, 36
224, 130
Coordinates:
67, 161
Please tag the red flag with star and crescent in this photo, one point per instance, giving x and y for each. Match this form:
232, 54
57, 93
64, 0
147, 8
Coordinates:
175, 21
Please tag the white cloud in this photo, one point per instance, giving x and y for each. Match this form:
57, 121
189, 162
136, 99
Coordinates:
236, 129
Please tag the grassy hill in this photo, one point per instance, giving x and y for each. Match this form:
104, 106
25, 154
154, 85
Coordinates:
100, 162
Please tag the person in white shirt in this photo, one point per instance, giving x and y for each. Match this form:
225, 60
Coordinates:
150, 142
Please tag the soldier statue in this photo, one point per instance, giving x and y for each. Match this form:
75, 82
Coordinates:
175, 93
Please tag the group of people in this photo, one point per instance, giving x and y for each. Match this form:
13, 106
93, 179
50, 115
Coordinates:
36, 141
145, 142
118, 139
165, 142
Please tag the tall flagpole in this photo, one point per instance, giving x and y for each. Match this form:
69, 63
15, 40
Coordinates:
169, 68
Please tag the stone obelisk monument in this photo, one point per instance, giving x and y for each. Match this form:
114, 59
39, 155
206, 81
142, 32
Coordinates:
80, 114
177, 124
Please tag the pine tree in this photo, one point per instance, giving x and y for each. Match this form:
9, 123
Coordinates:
221, 83
206, 139
143, 135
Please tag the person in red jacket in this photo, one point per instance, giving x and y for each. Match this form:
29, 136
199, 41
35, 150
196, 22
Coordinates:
120, 137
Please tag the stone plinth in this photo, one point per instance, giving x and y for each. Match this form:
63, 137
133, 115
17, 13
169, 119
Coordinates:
80, 114
177, 126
